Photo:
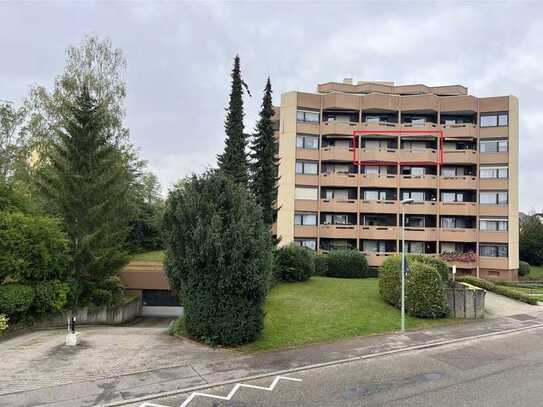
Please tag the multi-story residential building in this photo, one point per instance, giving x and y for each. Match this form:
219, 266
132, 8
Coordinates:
350, 153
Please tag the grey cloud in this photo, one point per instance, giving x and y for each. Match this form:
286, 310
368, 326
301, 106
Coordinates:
180, 54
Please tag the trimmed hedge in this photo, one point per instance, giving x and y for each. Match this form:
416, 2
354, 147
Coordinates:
15, 300
321, 264
441, 267
390, 281
425, 297
499, 289
347, 264
294, 263
523, 268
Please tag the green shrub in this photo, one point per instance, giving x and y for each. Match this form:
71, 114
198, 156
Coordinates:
219, 258
390, 280
101, 297
321, 264
347, 264
32, 248
425, 297
3, 323
523, 268
49, 297
441, 267
115, 287
15, 300
499, 289
293, 263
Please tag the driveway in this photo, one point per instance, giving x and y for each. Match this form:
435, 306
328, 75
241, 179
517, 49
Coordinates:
499, 306
39, 360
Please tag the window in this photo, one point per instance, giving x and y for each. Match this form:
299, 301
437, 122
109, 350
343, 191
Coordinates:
307, 167
494, 172
309, 243
493, 198
452, 197
494, 119
414, 221
493, 225
450, 171
494, 146
415, 247
307, 141
336, 219
417, 196
417, 171
447, 247
374, 195
307, 116
378, 246
492, 250
414, 145
305, 218
308, 193
381, 169
340, 194
449, 222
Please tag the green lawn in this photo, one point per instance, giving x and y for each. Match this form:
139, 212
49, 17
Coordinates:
149, 256
536, 273
326, 309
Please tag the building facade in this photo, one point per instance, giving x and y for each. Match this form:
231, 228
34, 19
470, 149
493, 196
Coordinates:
350, 153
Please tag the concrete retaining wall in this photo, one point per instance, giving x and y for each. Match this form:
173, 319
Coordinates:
466, 301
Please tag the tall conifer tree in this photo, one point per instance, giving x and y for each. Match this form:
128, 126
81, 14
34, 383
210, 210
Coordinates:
86, 184
233, 161
264, 155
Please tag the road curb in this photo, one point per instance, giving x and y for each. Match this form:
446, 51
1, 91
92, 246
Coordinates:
320, 365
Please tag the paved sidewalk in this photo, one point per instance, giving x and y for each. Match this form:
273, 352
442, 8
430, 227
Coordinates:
500, 306
101, 372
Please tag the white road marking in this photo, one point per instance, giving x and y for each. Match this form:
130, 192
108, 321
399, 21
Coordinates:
229, 395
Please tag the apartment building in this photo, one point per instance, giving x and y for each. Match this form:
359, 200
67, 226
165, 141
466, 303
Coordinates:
351, 152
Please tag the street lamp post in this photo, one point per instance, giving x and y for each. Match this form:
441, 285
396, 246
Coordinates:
403, 203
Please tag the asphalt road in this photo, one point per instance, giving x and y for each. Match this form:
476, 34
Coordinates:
500, 371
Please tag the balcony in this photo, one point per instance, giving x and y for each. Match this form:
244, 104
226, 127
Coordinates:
489, 236
379, 206
494, 158
418, 155
493, 210
305, 205
338, 205
305, 231
460, 156
339, 179
379, 232
418, 181
458, 235
337, 154
379, 126
338, 231
377, 154
458, 208
499, 263
421, 234
431, 127
308, 128
307, 179
378, 180
462, 182
307, 154
426, 208
338, 127
466, 130
493, 183
376, 259
472, 264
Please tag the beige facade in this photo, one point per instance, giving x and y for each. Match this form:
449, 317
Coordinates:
455, 154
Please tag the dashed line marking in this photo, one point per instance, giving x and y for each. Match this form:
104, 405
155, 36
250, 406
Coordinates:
229, 395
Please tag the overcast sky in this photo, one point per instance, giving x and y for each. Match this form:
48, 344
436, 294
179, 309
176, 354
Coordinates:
180, 55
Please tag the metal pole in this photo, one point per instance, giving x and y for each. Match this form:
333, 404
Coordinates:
403, 269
